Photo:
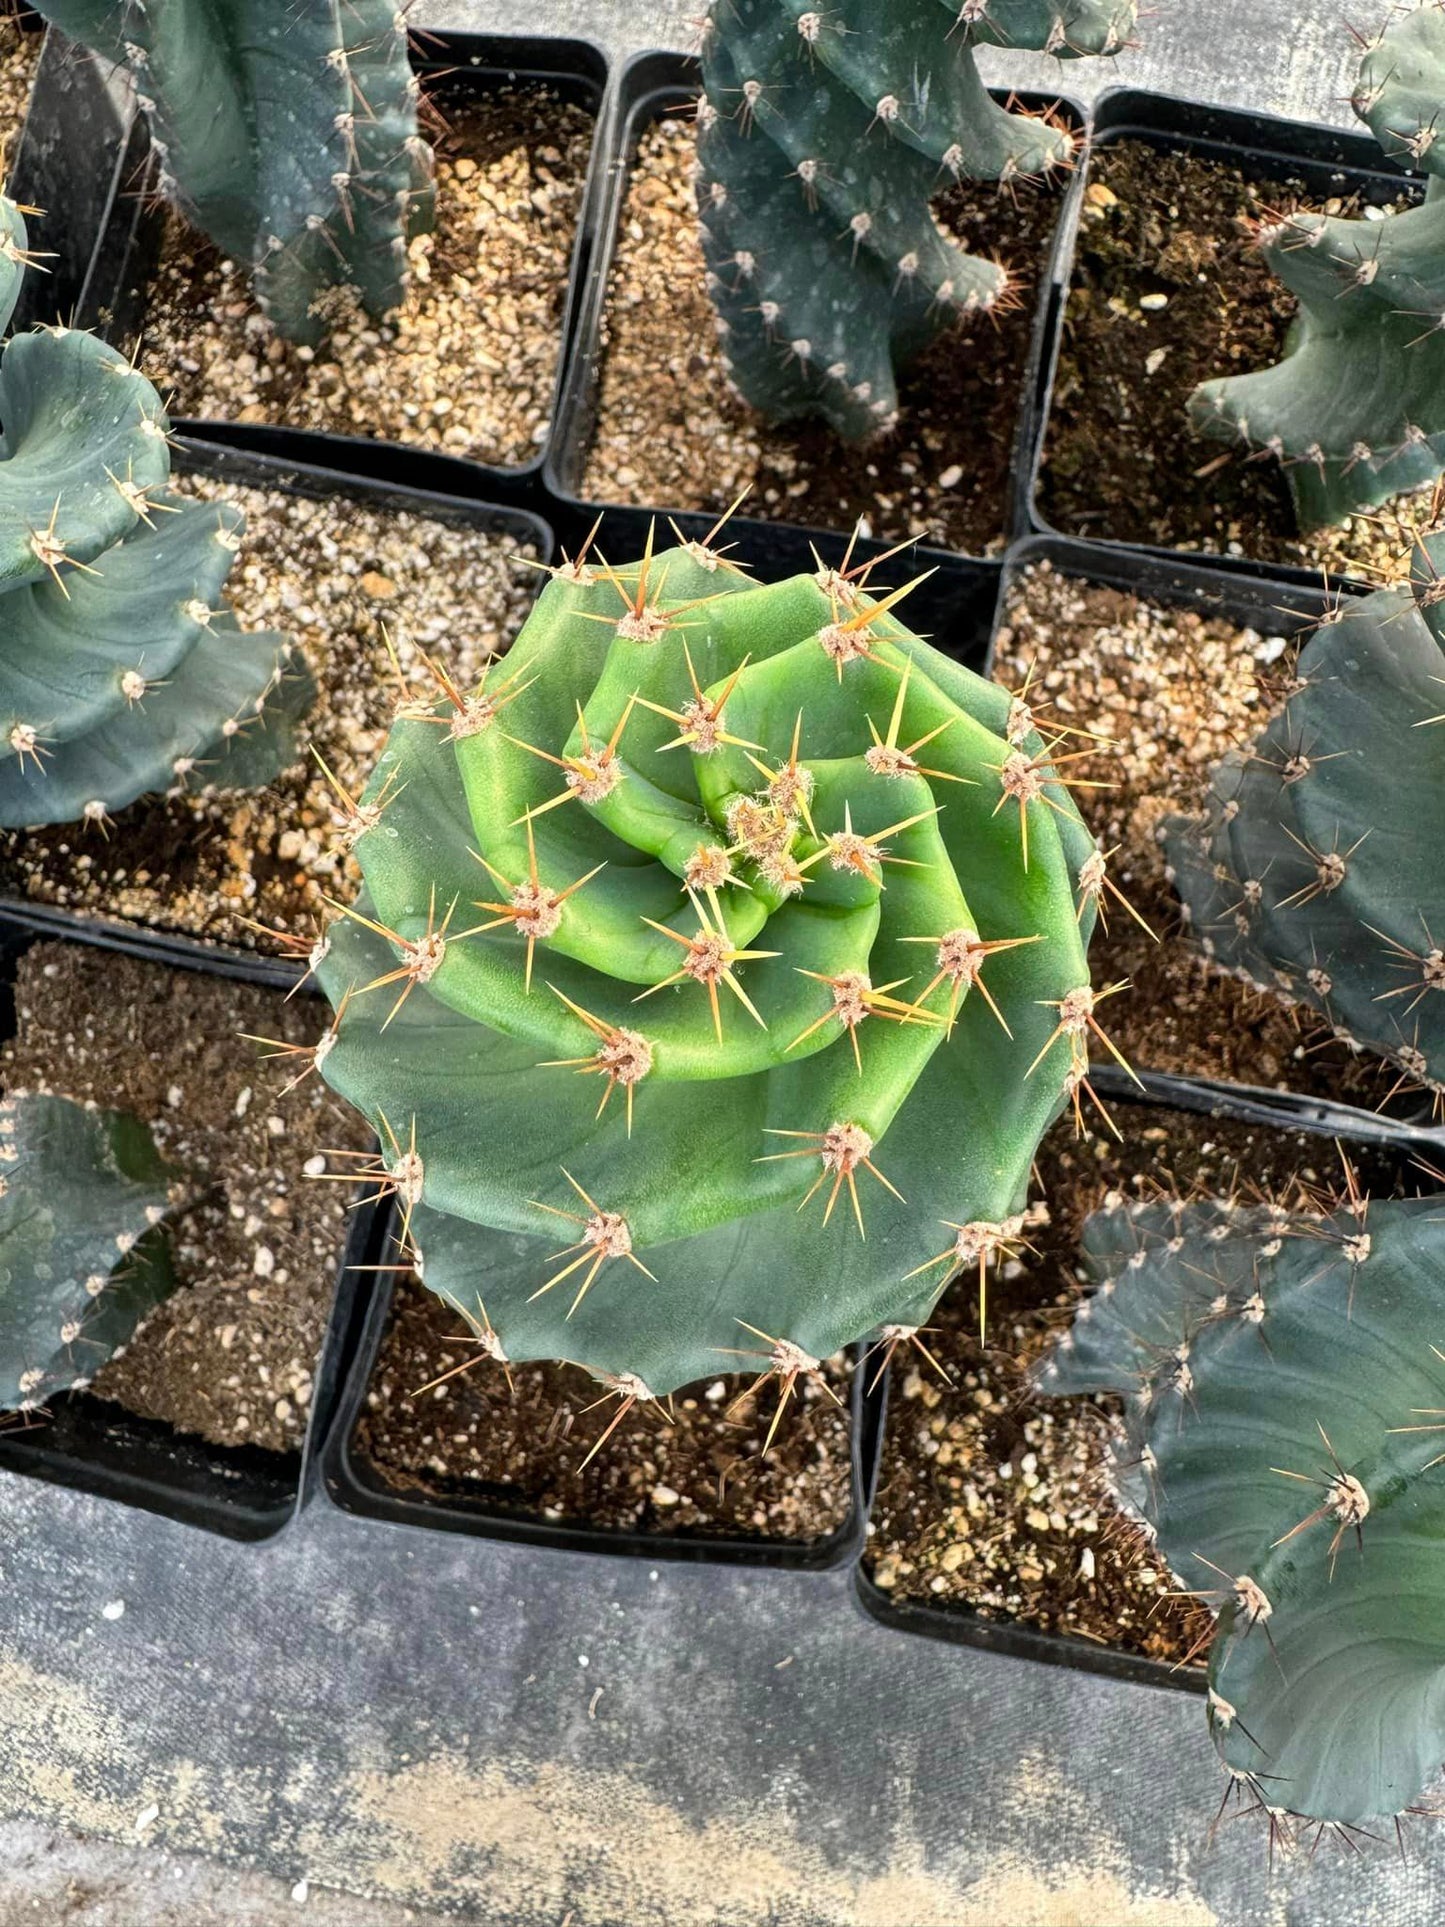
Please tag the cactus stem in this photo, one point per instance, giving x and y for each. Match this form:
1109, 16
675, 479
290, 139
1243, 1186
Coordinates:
849, 849
886, 758
855, 998
850, 641
701, 720
590, 777
982, 1244
605, 1234
1076, 1021
420, 959
960, 957
1025, 779
471, 713
789, 1363
623, 1056
1427, 968
48, 547
1330, 868
24, 739
790, 785
358, 817
533, 908
644, 619
843, 1148
1346, 1502
711, 955
136, 499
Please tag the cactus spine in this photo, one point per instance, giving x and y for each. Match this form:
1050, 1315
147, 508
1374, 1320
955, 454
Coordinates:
1286, 1445
823, 135
119, 672
83, 1257
776, 940
1357, 408
1313, 871
287, 130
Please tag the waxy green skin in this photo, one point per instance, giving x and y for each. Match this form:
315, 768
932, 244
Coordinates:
103, 581
824, 134
83, 1255
459, 1071
1314, 871
1357, 409
1255, 1344
287, 130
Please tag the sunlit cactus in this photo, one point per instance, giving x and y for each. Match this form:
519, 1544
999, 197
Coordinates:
1314, 871
120, 670
1356, 410
824, 133
720, 963
287, 130
1286, 1445
83, 1255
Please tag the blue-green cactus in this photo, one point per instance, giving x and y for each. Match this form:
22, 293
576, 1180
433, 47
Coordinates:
287, 130
824, 132
1286, 1445
1356, 410
83, 1255
120, 672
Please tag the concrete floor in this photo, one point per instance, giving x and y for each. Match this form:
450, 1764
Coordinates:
545, 1741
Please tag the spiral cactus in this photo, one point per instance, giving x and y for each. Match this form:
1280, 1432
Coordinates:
721, 961
286, 129
83, 1257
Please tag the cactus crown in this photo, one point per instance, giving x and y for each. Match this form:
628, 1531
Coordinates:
287, 130
1313, 871
83, 1258
119, 672
823, 134
724, 953
1286, 1444
1357, 409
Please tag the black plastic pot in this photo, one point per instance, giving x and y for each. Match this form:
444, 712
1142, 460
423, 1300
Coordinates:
1263, 146
297, 478
962, 1625
94, 1446
73, 111
454, 67
1272, 606
353, 1483
650, 87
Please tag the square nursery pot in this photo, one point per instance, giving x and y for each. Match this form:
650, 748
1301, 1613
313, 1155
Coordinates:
1405, 1154
1329, 161
354, 1484
76, 108
1284, 604
93, 1445
651, 87
272, 471
456, 69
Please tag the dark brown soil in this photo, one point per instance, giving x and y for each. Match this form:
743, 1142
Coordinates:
520, 1444
231, 1354
1174, 690
992, 1502
664, 396
1121, 459
468, 364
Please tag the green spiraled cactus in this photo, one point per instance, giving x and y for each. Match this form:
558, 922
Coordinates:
720, 959
83, 1258
1313, 870
824, 133
1357, 408
119, 672
1286, 1446
287, 130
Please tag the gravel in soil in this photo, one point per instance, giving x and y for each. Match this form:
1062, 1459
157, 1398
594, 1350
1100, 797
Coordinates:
18, 55
990, 1501
230, 1355
1173, 689
338, 577
664, 397
468, 364
517, 1438
1168, 290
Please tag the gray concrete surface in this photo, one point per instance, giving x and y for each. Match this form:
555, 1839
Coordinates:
544, 1741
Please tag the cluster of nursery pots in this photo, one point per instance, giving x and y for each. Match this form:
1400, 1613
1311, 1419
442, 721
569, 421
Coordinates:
81, 152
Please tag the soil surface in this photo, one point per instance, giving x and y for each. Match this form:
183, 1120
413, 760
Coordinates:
18, 55
230, 1355
664, 397
1168, 290
339, 578
992, 1501
1173, 689
517, 1438
468, 365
